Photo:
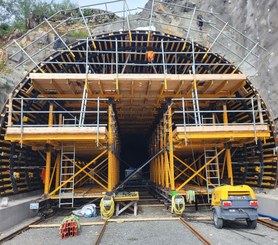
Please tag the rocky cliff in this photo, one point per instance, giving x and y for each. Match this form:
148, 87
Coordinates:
257, 19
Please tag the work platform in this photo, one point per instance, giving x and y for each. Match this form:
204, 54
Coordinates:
194, 110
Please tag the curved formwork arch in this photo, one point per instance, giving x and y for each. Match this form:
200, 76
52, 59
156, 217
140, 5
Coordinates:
137, 82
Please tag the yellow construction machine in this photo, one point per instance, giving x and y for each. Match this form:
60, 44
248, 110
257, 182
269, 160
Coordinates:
234, 203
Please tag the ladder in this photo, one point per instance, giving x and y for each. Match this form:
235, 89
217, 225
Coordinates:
83, 106
212, 170
67, 170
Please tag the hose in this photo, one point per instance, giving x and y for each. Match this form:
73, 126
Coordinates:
179, 205
107, 202
268, 216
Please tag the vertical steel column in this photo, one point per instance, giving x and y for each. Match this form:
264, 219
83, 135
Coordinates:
117, 66
21, 121
229, 165
195, 86
260, 110
57, 177
47, 171
161, 156
184, 120
171, 149
110, 143
97, 121
50, 117
225, 116
166, 162
254, 120
10, 115
164, 65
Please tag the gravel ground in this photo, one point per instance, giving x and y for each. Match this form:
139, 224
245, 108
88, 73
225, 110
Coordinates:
50, 236
236, 233
152, 232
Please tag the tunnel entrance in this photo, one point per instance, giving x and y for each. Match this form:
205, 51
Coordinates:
186, 101
134, 152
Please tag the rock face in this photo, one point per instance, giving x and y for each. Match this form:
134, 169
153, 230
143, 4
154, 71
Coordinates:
256, 19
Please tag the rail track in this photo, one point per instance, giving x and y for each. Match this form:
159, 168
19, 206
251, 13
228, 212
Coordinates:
146, 202
101, 233
195, 232
17, 232
268, 224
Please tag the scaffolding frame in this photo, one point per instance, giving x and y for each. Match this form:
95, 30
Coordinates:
124, 16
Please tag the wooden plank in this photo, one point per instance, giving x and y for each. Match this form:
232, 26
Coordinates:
56, 130
58, 225
138, 77
144, 219
239, 128
110, 220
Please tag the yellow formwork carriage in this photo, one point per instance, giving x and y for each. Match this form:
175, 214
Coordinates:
160, 96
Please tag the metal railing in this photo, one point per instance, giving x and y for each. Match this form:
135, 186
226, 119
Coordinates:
215, 34
25, 117
214, 115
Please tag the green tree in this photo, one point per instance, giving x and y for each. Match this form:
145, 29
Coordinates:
25, 11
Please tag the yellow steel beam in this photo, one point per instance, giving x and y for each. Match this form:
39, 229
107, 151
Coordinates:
47, 172
110, 143
229, 165
185, 174
55, 137
200, 169
224, 165
166, 161
225, 115
188, 167
57, 177
171, 149
221, 135
10, 107
160, 131
78, 172
56, 86
53, 171
89, 175
238, 87
221, 87
207, 87
50, 117
91, 170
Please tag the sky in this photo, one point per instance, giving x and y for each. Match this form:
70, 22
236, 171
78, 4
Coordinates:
131, 3
114, 7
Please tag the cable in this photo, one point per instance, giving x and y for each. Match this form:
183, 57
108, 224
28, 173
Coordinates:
107, 201
178, 204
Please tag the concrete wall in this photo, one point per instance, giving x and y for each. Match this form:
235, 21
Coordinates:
268, 204
17, 210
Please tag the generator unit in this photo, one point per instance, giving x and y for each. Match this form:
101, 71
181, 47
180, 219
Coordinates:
234, 203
